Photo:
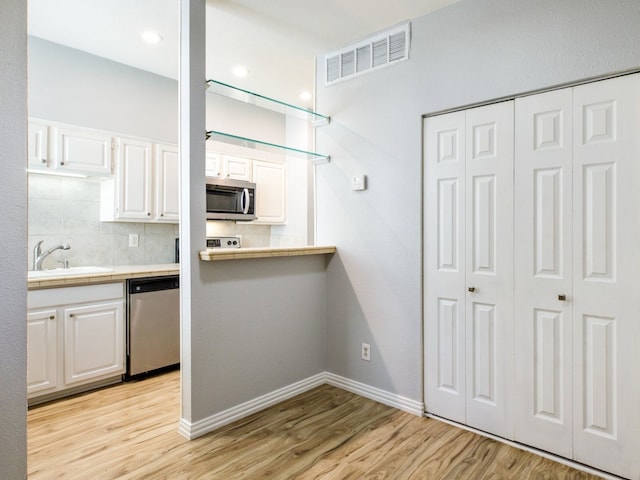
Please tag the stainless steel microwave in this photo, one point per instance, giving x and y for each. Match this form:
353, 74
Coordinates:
229, 199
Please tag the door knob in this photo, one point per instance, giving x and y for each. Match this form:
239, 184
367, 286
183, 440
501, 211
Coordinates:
472, 289
562, 298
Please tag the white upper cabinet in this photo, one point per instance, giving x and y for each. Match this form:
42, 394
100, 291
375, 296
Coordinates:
146, 184
167, 176
134, 180
237, 168
83, 151
64, 149
213, 164
38, 145
271, 192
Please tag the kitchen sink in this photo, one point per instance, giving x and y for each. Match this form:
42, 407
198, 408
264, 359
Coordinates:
67, 272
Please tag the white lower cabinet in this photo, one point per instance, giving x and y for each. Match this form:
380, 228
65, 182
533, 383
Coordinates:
568, 365
75, 336
42, 349
93, 341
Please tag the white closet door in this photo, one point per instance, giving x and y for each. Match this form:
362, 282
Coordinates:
444, 290
543, 273
606, 310
489, 268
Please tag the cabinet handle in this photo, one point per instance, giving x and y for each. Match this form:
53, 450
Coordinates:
61, 162
472, 289
43, 160
148, 214
72, 314
162, 214
562, 297
52, 317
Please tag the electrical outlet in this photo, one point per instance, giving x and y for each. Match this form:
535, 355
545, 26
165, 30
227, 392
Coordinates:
133, 240
366, 352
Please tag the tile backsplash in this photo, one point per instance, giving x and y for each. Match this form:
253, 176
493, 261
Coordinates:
67, 210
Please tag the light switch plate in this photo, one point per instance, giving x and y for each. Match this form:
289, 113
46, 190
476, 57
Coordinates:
359, 182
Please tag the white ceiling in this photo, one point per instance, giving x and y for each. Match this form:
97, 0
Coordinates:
276, 39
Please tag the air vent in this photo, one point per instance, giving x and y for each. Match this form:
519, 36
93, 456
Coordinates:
378, 51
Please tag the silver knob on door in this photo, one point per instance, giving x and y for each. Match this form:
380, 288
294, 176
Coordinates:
562, 298
472, 289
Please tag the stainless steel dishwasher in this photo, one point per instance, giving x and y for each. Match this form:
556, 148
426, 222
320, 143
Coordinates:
153, 324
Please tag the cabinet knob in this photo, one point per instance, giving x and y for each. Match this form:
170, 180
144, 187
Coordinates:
162, 214
562, 297
61, 162
148, 214
472, 289
43, 160
52, 317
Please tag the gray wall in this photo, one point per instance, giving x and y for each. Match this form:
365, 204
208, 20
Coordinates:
470, 52
13, 255
260, 327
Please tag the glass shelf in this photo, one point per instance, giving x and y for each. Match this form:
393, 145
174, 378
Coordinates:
219, 88
265, 146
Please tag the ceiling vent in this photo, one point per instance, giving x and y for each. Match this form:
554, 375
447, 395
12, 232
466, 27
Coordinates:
378, 51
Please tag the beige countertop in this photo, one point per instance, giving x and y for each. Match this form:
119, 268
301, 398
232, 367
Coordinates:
119, 273
124, 272
217, 254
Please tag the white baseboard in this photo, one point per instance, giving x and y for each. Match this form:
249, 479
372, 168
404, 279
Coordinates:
391, 399
209, 424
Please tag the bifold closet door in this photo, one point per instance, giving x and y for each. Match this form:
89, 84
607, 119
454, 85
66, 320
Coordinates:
469, 267
606, 275
444, 266
543, 271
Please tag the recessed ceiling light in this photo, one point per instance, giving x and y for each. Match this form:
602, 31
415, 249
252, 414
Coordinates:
241, 71
151, 37
305, 96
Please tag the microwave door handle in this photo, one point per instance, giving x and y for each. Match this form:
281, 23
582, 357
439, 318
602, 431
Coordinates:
244, 203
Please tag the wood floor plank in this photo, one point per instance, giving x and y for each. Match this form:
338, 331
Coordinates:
129, 431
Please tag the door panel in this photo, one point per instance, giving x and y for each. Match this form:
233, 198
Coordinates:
444, 286
489, 268
543, 238
606, 326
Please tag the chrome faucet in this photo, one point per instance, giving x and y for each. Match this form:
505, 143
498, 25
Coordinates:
39, 256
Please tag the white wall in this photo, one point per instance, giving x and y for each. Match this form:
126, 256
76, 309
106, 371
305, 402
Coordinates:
469, 52
13, 255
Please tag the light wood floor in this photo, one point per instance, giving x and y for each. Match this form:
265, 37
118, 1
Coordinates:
130, 432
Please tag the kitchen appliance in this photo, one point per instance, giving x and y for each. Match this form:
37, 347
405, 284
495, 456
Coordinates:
230, 199
153, 324
223, 242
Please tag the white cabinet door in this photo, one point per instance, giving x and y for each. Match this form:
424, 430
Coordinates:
237, 168
83, 151
94, 342
469, 267
38, 145
213, 165
42, 348
543, 272
167, 182
606, 262
271, 192
444, 267
134, 182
